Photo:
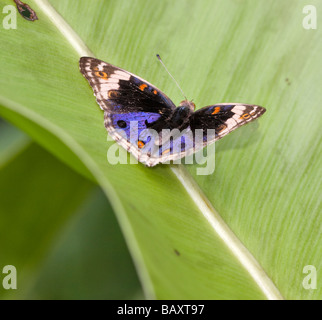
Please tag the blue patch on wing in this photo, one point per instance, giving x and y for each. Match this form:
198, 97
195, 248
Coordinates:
126, 121
180, 141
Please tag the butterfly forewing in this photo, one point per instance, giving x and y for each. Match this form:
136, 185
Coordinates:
115, 86
224, 117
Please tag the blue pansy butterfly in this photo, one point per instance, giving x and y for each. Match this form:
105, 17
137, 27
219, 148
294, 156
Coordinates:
128, 99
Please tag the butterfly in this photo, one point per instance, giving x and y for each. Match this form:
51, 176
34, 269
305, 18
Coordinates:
162, 132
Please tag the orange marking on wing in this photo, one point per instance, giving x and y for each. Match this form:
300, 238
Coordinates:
113, 94
166, 151
245, 116
216, 110
221, 128
155, 92
141, 144
142, 86
101, 74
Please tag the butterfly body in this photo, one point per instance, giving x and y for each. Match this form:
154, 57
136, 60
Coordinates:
162, 131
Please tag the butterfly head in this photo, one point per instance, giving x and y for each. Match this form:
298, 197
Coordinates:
188, 104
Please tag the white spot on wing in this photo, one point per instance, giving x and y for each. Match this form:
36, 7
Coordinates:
230, 123
108, 86
100, 67
237, 117
118, 74
238, 109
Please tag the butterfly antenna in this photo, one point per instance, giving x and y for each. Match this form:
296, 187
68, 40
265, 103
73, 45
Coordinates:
159, 58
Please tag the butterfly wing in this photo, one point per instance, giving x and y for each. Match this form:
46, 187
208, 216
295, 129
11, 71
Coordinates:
125, 99
208, 125
224, 118
120, 89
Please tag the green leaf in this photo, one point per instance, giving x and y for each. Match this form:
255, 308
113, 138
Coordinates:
84, 252
265, 226
48, 212
38, 195
12, 141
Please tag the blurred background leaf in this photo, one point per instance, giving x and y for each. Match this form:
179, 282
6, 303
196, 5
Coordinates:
58, 229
